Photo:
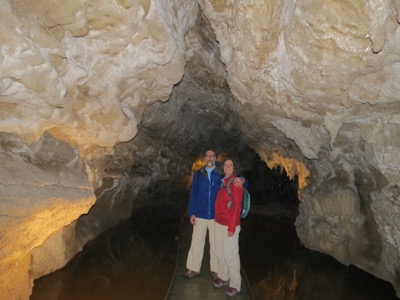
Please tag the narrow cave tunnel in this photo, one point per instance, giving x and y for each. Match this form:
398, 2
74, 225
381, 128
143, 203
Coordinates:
107, 106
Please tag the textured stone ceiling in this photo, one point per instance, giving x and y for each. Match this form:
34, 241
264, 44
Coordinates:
100, 99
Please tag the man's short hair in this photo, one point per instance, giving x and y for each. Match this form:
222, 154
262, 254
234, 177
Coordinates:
210, 149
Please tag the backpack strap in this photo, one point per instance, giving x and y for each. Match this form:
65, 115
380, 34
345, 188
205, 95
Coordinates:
228, 186
228, 190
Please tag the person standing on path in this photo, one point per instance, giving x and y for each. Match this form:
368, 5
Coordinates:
227, 228
206, 182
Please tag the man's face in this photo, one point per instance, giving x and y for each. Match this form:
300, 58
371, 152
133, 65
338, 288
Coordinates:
210, 158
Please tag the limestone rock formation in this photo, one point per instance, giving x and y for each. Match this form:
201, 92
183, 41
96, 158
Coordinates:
44, 188
100, 100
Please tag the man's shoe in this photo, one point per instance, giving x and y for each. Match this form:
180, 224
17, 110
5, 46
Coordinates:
191, 274
219, 283
214, 275
232, 292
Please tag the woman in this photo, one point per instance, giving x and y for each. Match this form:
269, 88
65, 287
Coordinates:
227, 228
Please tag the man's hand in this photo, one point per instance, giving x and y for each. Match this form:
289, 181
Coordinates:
238, 181
230, 234
193, 220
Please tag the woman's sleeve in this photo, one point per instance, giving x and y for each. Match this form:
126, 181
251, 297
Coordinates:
237, 195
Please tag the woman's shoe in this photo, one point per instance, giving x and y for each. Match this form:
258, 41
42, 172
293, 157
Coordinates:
219, 283
232, 292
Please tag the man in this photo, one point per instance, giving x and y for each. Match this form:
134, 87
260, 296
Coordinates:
205, 185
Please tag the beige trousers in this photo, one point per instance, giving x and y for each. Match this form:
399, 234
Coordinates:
227, 251
196, 252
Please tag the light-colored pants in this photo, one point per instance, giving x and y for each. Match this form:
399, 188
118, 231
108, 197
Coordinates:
227, 251
196, 252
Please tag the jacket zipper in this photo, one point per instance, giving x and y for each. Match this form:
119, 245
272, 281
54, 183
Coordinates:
209, 197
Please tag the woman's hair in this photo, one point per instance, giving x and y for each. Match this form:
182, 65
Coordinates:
236, 167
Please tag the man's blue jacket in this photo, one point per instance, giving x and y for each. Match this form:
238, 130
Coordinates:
203, 192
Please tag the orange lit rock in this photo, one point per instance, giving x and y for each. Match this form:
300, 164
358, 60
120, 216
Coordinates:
41, 193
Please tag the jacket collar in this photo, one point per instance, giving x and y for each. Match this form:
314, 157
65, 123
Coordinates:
217, 168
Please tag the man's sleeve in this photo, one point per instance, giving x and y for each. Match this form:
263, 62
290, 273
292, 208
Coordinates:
193, 194
245, 181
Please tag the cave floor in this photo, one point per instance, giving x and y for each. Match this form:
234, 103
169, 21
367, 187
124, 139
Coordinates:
137, 259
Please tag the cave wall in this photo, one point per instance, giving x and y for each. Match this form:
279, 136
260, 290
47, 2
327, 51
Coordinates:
80, 73
44, 188
311, 86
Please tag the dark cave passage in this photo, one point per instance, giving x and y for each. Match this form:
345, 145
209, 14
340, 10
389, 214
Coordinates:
136, 258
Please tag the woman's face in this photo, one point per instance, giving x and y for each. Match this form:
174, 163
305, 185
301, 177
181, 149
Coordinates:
228, 167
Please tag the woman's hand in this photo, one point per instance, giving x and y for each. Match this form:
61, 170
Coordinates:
230, 234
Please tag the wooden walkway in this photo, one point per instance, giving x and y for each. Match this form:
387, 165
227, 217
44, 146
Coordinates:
201, 287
